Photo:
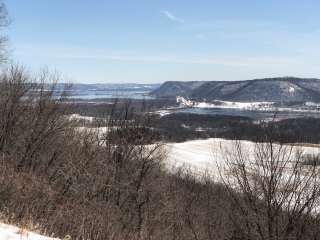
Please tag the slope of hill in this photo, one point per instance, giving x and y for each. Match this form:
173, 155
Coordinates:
287, 89
175, 88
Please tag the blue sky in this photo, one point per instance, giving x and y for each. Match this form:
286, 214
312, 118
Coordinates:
153, 41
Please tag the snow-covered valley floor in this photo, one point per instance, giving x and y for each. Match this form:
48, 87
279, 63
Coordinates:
209, 155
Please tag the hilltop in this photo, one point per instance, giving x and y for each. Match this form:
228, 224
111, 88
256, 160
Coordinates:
284, 89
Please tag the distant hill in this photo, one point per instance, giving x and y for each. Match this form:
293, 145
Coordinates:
285, 89
175, 88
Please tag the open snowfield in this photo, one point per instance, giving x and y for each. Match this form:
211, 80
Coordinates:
8, 232
209, 155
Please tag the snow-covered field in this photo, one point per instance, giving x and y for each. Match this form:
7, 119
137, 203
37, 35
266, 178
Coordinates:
8, 232
209, 155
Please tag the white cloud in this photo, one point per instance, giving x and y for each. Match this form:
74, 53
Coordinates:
172, 17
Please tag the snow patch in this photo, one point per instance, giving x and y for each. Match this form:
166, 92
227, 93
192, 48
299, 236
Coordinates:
312, 104
163, 112
80, 117
9, 232
226, 104
292, 89
185, 126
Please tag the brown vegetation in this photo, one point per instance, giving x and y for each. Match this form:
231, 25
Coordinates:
93, 185
113, 185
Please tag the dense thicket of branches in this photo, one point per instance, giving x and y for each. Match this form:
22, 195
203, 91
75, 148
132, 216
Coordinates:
94, 184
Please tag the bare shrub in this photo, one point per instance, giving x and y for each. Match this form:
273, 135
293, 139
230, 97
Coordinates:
102, 183
277, 196
63, 179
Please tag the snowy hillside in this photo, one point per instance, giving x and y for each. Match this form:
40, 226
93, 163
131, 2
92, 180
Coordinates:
282, 89
210, 154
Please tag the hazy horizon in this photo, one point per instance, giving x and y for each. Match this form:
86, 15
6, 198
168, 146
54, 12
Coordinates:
159, 83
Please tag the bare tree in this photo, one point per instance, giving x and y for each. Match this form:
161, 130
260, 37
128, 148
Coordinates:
14, 85
276, 196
